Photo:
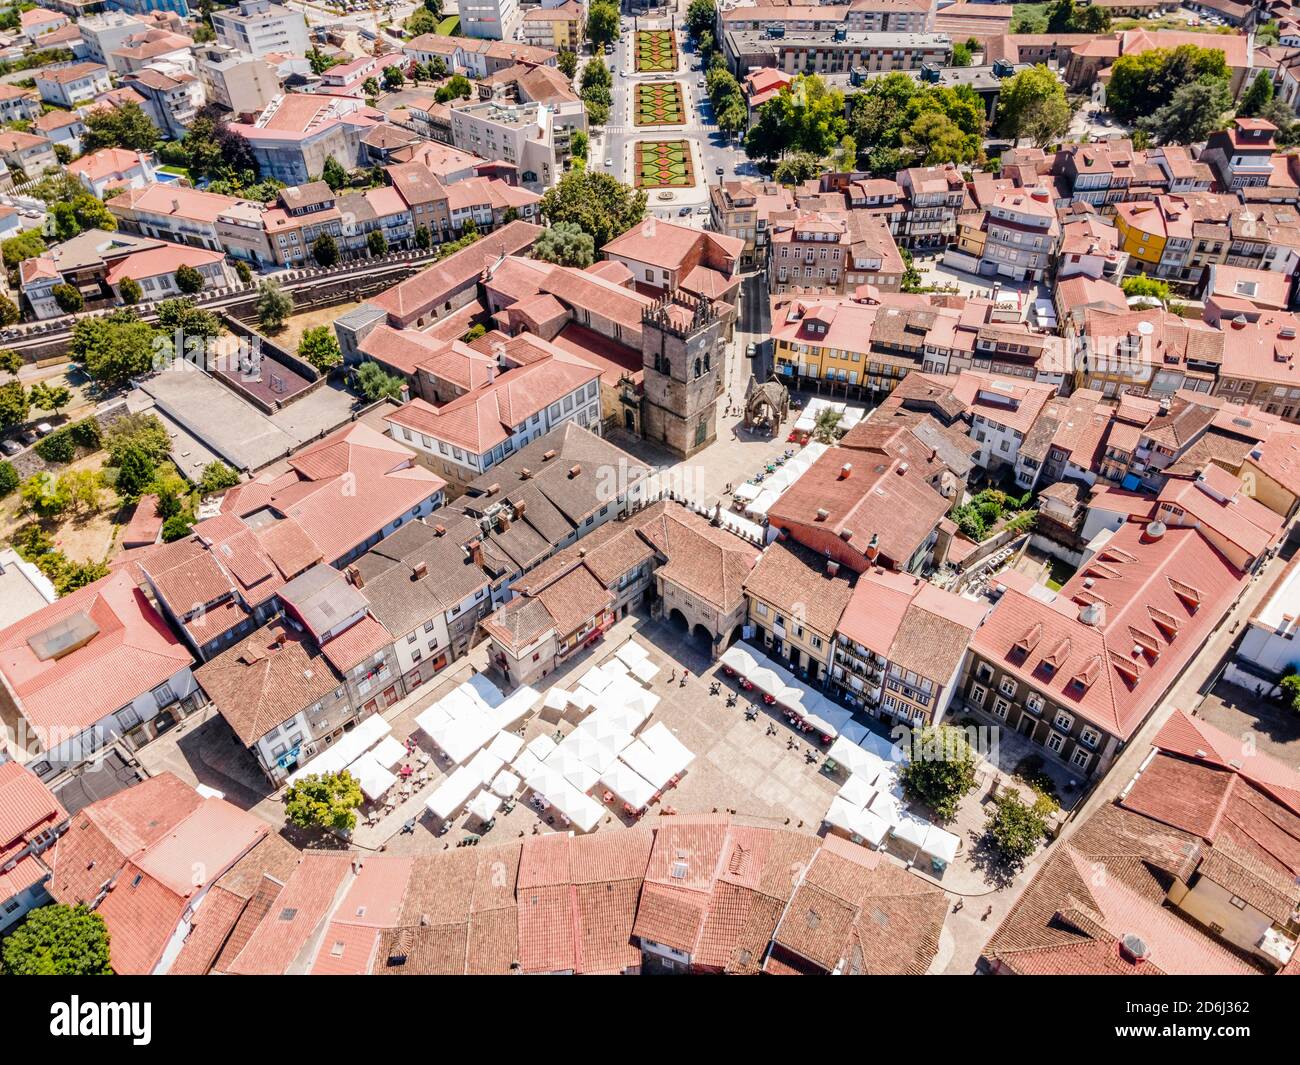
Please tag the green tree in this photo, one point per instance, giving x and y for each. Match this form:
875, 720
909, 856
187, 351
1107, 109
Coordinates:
567, 244
1046, 120
376, 242
333, 174
70, 301
1290, 685
15, 404
1017, 828
217, 477
941, 770
26, 245
567, 62
135, 469
797, 168
125, 126
421, 21
701, 17
805, 116
9, 478
1258, 96
9, 313
274, 305
141, 430
177, 527
423, 238
188, 280
458, 87
243, 272
58, 940
394, 79
10, 362
1022, 93
320, 347
83, 489
324, 801
370, 87
51, 396
596, 73
320, 62
45, 495
1142, 84
130, 291
599, 204
602, 22
579, 143
113, 348
1194, 111
937, 139
961, 56
325, 250
375, 384
1141, 285
826, 426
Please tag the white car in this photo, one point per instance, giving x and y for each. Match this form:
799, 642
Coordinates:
609, 164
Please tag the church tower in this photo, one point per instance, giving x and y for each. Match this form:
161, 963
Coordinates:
683, 353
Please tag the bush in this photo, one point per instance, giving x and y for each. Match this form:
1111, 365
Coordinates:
58, 940
68, 298
188, 280
145, 431
217, 477
177, 527
8, 478
57, 447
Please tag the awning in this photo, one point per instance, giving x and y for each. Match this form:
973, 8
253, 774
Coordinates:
675, 754
373, 778
739, 660
452, 794
628, 785
485, 805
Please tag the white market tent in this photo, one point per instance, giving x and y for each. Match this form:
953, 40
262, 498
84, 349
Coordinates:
628, 785
461, 738
505, 784
675, 754
855, 759
389, 752
485, 805
485, 765
505, 745
595, 680
765, 679
911, 830
644, 671
631, 653
653, 767
351, 747
857, 791
510, 711
739, 659
526, 763
557, 699
854, 731
940, 845
582, 698
485, 689
432, 718
453, 793
373, 778
871, 827
541, 746
746, 492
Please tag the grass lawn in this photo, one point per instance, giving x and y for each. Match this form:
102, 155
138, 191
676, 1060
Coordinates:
179, 171
659, 104
1061, 572
1037, 12
664, 165
449, 26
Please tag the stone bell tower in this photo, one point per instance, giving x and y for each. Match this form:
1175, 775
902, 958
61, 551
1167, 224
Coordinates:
683, 353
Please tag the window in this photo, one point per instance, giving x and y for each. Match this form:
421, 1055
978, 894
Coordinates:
1000, 708
1034, 702
1063, 721
1055, 741
1080, 758
1238, 902
1090, 736
1007, 686
761, 609
984, 671
428, 626
977, 694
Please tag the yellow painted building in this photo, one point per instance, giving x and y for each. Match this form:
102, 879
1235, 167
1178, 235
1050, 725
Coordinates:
558, 28
1142, 232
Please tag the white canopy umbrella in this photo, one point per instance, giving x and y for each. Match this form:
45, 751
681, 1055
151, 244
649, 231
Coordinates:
432, 718
459, 701
645, 670
870, 827
841, 814
505, 745
505, 784
453, 793
595, 680
485, 765
745, 492
675, 754
857, 791
766, 680
541, 745
389, 752
650, 765
632, 652
940, 845
854, 731
882, 748
510, 711
557, 699
485, 805
526, 763
372, 777
582, 698
740, 660
911, 830
485, 689
628, 785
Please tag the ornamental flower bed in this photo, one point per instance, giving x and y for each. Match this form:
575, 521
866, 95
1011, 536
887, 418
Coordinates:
659, 104
664, 165
656, 52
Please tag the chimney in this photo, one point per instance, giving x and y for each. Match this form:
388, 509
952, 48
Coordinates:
873, 548
902, 468
420, 571
823, 513
440, 530
503, 522
354, 577
845, 470
548, 455
493, 489
832, 567
575, 470
281, 638
525, 473
519, 508
476, 552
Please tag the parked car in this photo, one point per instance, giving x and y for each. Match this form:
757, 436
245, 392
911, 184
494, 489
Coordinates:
720, 171
684, 211
44, 429
750, 351
609, 164
11, 447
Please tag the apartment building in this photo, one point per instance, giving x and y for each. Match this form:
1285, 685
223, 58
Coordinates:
172, 97
173, 213
302, 215
242, 84
522, 134
557, 26
112, 168
494, 20
900, 647
259, 26
297, 132
743, 209
18, 104
932, 196
832, 251
72, 85
152, 47
27, 154
837, 53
